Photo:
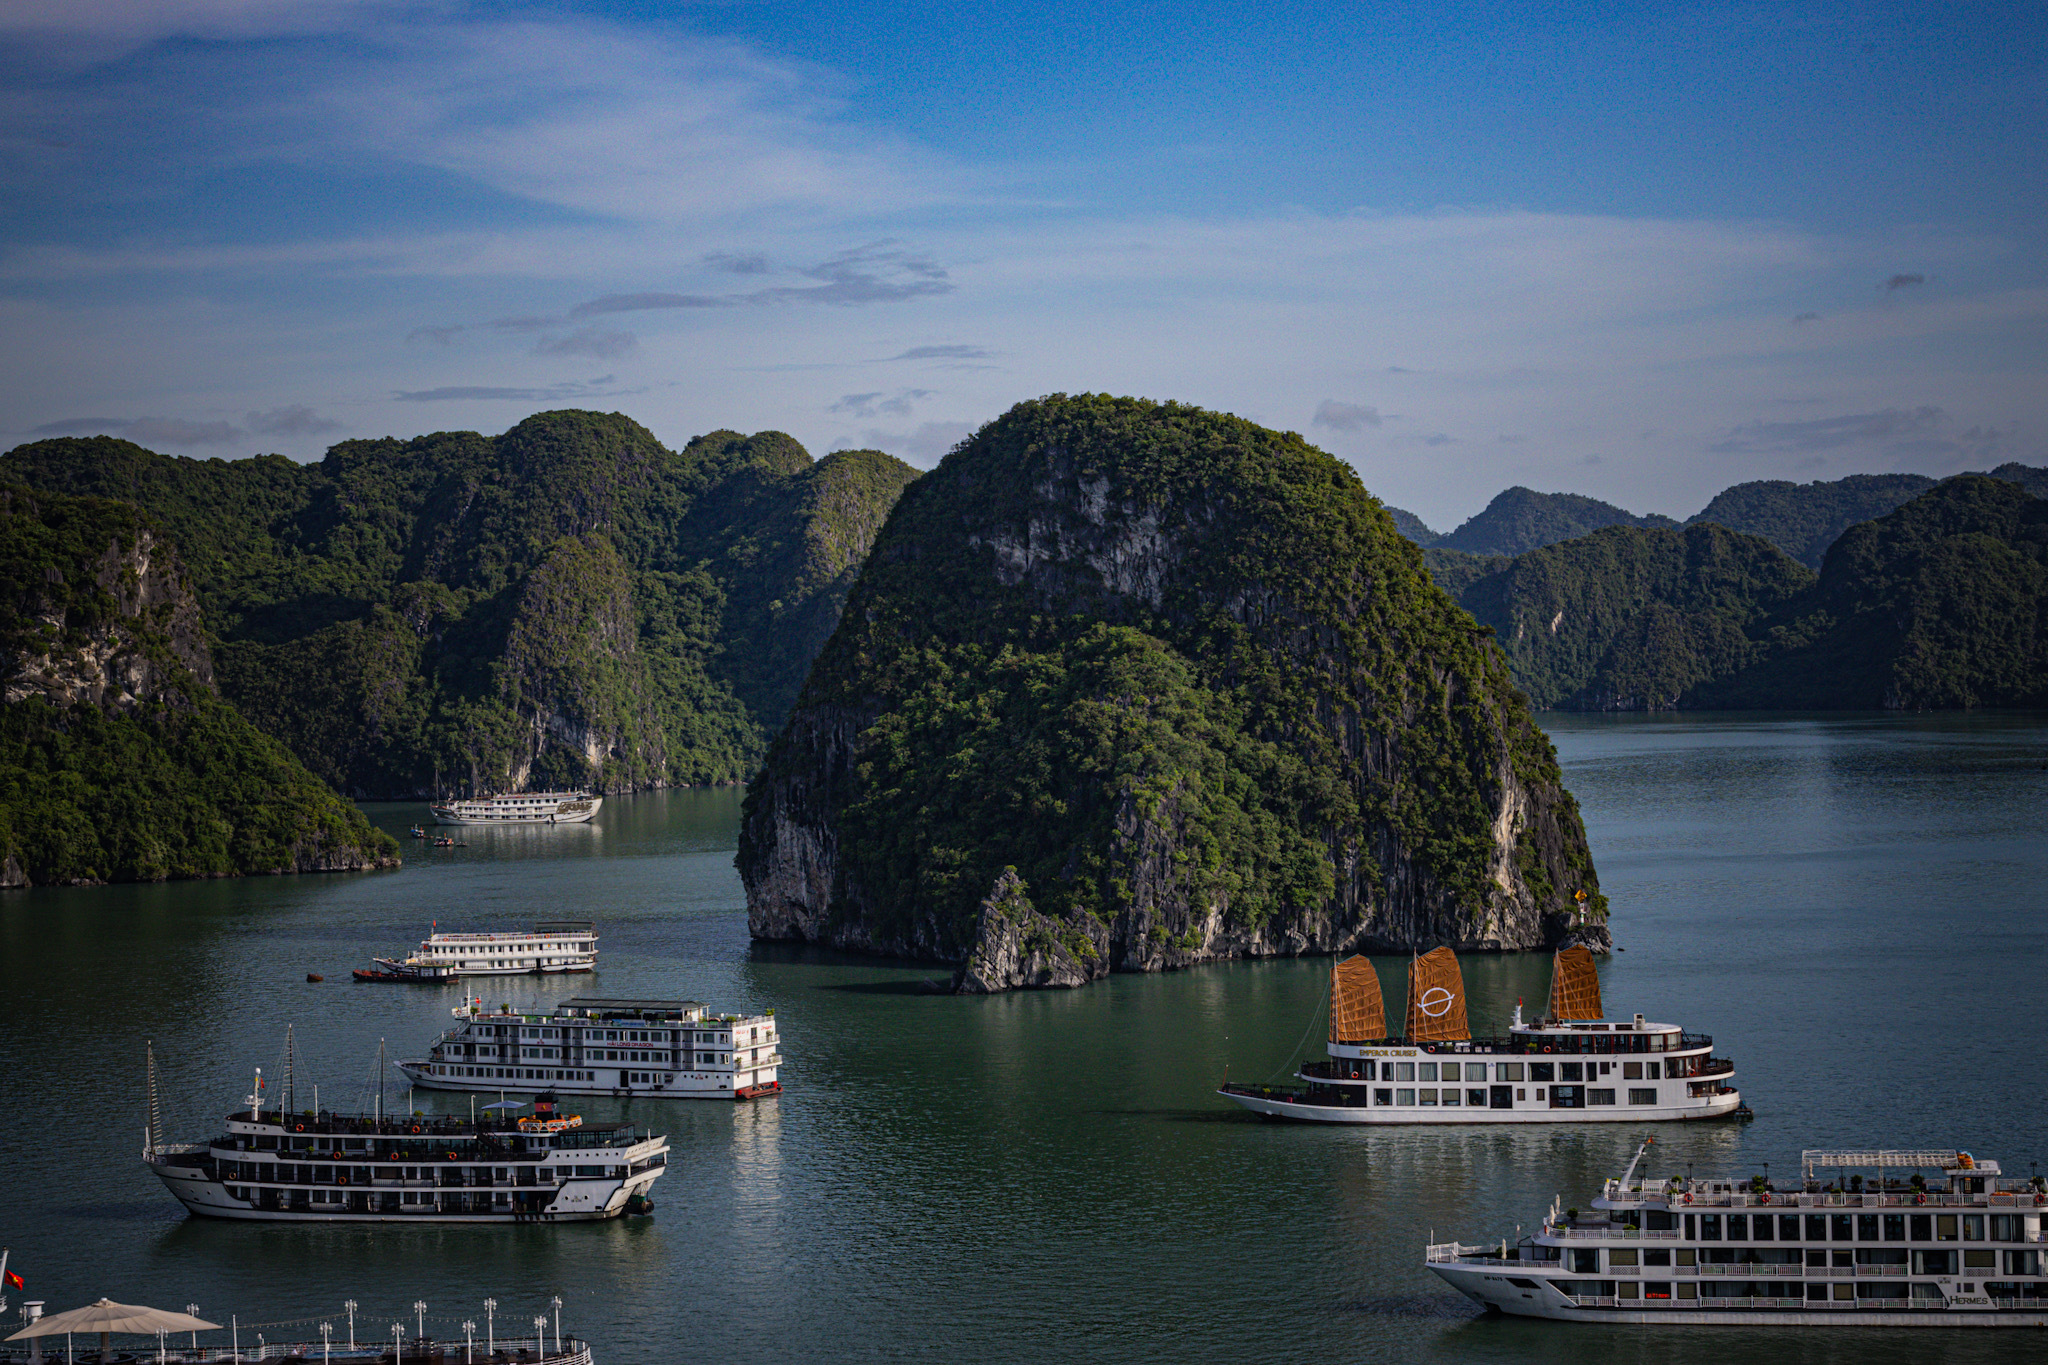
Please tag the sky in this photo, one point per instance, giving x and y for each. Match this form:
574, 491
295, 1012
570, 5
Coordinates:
1636, 251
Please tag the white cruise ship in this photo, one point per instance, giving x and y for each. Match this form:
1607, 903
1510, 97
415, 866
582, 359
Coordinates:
519, 808
284, 1165
668, 1048
1885, 1246
552, 947
1572, 1066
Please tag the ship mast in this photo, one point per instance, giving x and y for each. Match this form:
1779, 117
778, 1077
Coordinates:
156, 1123
291, 1103
380, 1080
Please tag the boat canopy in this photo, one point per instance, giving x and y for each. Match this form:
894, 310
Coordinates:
1436, 998
1574, 985
1357, 1014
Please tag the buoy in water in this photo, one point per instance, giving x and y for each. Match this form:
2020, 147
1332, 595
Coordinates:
314, 976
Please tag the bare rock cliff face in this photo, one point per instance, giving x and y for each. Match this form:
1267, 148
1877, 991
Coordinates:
1130, 687
150, 642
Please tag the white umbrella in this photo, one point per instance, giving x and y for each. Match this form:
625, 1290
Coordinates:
107, 1317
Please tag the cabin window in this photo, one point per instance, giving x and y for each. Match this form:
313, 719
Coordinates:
1425, 1071
1655, 1256
1944, 1227
1923, 1227
1451, 1095
1598, 1096
1686, 1255
1571, 1071
1508, 1071
1539, 1094
2023, 1263
1404, 1096
1404, 1071
1427, 1096
1542, 1071
1840, 1228
1369, 1070
1866, 1227
1621, 1256
1476, 1098
2005, 1227
1738, 1227
1659, 1222
1521, 1094
1880, 1256
1760, 1227
1649, 1071
1643, 1095
1450, 1071
1973, 1227
1631, 1071
1934, 1263
1585, 1261
1710, 1227
1382, 1097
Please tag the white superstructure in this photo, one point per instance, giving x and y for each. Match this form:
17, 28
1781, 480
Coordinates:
278, 1166
1556, 1070
1885, 1246
519, 808
551, 947
675, 1048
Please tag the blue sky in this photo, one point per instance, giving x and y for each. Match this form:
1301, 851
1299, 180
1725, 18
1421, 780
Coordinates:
1640, 252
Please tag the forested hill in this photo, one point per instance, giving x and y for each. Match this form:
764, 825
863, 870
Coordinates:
1130, 685
1521, 519
1941, 603
118, 760
1804, 519
569, 603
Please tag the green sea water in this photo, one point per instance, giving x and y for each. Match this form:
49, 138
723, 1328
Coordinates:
1853, 907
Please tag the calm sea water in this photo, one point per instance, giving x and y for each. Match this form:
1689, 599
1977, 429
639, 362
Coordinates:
1852, 907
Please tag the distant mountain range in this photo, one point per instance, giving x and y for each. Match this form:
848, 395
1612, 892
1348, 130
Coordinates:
1941, 603
1803, 520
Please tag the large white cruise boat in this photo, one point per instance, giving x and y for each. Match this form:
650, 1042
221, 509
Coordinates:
519, 808
668, 1048
552, 947
1572, 1066
1888, 1249
285, 1165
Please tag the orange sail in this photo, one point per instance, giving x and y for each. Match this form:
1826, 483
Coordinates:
1356, 1014
1574, 985
1436, 998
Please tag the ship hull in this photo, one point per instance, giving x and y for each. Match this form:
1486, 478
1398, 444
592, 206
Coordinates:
580, 1201
686, 1086
1495, 1287
1279, 1104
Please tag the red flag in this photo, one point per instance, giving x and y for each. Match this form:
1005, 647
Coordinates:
14, 1280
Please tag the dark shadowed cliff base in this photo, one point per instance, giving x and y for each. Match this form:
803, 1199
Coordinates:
1128, 686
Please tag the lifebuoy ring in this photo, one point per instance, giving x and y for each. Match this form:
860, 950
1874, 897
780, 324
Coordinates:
2041, 1199
1354, 1073
341, 1180
1688, 1197
453, 1157
415, 1128
1546, 1047
298, 1128
1764, 1198
1919, 1198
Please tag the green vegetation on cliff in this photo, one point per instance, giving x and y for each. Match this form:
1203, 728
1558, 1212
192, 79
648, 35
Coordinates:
1521, 519
1182, 675
118, 760
569, 603
1804, 519
1941, 603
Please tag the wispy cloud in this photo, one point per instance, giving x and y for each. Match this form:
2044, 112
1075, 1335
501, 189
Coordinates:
945, 353
552, 393
873, 404
1898, 282
1346, 416
733, 264
599, 343
880, 272
147, 431
293, 421
1831, 433
648, 302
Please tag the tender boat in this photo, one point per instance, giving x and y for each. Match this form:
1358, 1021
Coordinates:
1963, 1249
671, 1048
1572, 1066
